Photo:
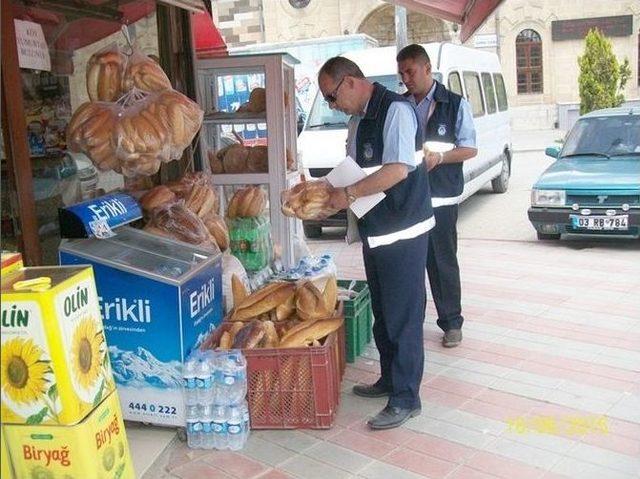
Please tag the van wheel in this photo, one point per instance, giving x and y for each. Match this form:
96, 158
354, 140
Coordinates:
312, 231
501, 183
548, 236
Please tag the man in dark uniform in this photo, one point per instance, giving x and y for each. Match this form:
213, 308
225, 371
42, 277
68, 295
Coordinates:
383, 134
446, 118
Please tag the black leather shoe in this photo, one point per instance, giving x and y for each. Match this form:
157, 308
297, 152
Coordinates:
370, 390
452, 338
391, 417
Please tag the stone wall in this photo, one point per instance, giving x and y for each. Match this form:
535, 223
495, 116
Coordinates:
240, 21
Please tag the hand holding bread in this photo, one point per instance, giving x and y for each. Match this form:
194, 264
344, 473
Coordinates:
308, 200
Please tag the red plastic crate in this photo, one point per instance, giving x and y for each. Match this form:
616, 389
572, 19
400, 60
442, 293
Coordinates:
295, 388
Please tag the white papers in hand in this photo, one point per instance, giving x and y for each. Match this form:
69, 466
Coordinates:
347, 173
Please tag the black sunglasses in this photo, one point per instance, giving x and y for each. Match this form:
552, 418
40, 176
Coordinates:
332, 97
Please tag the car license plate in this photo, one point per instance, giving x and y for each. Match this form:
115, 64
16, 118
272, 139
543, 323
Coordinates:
601, 223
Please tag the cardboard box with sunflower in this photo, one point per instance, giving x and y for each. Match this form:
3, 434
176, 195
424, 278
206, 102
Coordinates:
55, 368
95, 448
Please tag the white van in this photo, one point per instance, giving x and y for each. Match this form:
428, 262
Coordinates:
474, 74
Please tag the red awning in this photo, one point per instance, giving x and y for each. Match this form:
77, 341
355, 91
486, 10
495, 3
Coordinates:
207, 40
470, 14
68, 26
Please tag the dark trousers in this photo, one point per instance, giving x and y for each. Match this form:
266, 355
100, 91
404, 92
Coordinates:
396, 277
443, 269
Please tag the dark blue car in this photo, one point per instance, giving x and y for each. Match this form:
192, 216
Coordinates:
594, 185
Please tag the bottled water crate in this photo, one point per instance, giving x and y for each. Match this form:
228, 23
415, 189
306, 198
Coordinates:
295, 388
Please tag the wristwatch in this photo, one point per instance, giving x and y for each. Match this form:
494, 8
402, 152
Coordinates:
350, 196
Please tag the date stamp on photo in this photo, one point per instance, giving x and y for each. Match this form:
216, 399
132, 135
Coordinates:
559, 425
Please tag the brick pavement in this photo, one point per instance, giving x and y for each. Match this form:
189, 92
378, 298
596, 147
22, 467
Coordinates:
551, 341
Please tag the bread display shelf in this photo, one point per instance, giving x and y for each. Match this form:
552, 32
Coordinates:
223, 118
247, 178
273, 73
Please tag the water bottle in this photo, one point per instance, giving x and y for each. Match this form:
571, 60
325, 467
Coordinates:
219, 424
234, 428
235, 377
189, 381
246, 424
205, 385
194, 433
208, 436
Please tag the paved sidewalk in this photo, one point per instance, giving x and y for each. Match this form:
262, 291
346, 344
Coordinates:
545, 384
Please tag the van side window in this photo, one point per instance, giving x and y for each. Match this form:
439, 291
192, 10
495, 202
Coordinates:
474, 93
455, 85
500, 92
489, 93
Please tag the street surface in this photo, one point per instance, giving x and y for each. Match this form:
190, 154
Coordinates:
546, 382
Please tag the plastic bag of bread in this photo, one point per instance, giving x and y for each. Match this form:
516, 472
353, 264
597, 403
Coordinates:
105, 70
142, 136
90, 131
144, 73
189, 180
157, 197
247, 202
175, 220
183, 118
308, 200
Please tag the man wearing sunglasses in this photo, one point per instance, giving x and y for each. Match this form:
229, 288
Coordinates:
383, 134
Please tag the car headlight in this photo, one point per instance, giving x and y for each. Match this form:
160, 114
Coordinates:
548, 197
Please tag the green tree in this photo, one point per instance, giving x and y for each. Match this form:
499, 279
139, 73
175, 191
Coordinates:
602, 78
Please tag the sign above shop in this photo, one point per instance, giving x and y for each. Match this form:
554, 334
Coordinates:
485, 40
33, 51
620, 26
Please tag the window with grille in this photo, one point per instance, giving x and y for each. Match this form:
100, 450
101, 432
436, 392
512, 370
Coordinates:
529, 61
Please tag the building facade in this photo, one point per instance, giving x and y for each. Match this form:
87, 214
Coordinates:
538, 41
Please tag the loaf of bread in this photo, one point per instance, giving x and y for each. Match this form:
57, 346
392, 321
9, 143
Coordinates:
145, 74
262, 301
308, 200
157, 196
218, 230
201, 200
314, 330
258, 159
250, 336
257, 101
238, 289
234, 158
104, 75
271, 339
247, 202
286, 309
311, 304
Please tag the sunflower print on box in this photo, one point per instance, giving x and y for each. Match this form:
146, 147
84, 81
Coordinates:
55, 366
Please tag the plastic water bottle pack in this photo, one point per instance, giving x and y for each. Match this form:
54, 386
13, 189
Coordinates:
215, 386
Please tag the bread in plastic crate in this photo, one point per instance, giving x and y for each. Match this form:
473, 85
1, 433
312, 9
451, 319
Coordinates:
295, 388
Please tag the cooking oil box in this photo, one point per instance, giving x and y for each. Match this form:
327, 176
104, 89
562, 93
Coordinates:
95, 448
55, 366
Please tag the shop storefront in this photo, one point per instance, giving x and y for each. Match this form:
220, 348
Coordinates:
45, 50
